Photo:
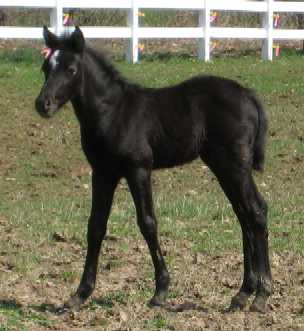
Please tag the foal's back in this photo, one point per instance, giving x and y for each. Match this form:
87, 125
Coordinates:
186, 120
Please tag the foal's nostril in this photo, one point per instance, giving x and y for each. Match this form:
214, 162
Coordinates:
47, 103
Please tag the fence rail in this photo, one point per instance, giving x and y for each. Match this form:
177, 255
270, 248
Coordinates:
204, 32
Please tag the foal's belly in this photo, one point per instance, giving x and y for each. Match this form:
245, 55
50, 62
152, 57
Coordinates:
166, 156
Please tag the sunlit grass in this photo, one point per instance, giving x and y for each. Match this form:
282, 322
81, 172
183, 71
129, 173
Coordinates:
45, 180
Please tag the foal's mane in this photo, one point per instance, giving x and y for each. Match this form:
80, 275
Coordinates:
102, 61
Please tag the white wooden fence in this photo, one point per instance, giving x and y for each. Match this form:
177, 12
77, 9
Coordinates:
204, 32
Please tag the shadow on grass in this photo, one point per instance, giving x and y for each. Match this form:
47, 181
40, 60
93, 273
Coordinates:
185, 306
45, 307
108, 304
7, 305
105, 303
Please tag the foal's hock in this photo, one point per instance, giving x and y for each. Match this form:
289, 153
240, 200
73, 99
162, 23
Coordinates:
128, 130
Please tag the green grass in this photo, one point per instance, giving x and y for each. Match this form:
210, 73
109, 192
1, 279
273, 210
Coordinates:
158, 322
16, 317
279, 84
45, 181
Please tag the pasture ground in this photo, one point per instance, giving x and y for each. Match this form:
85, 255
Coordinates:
45, 201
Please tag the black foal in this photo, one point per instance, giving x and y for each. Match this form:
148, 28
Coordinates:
128, 130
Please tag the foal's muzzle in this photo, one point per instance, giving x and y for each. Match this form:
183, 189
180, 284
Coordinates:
46, 107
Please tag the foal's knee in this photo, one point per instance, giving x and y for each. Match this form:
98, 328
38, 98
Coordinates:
148, 226
259, 218
264, 207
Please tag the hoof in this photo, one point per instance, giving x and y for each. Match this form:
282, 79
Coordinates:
157, 301
235, 306
74, 303
258, 305
238, 302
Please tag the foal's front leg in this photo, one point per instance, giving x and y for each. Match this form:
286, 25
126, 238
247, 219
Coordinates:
139, 181
103, 187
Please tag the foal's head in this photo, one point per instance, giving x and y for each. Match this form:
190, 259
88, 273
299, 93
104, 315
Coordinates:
62, 69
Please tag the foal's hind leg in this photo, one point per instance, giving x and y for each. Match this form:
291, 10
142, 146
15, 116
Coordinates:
261, 264
249, 284
139, 181
235, 178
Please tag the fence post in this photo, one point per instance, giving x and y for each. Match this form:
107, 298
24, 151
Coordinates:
204, 21
267, 49
132, 46
56, 17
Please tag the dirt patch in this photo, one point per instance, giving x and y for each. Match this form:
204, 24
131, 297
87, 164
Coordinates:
200, 292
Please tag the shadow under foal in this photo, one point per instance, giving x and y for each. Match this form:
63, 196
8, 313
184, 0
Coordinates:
128, 130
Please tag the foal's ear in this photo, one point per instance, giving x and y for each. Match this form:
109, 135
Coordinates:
51, 40
76, 41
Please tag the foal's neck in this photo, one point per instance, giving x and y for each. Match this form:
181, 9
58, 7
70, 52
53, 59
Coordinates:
101, 91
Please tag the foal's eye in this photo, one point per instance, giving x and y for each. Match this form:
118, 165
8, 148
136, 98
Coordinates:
72, 70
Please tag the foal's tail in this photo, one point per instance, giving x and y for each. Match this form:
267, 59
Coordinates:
260, 140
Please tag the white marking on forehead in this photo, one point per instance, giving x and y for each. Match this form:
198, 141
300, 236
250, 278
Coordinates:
54, 59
